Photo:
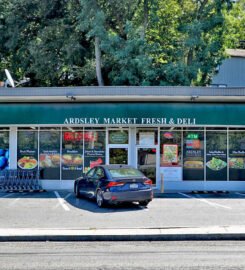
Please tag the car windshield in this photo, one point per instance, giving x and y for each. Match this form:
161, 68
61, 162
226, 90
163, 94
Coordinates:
125, 172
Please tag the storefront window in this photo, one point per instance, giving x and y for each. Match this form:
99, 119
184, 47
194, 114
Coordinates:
193, 155
118, 156
94, 152
171, 155
4, 149
216, 155
237, 155
27, 149
72, 154
49, 154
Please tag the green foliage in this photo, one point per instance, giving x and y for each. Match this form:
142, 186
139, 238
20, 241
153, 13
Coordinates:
142, 42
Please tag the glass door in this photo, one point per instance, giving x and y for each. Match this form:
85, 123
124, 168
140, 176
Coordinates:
147, 159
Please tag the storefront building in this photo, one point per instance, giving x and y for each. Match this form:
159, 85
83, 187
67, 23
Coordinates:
186, 138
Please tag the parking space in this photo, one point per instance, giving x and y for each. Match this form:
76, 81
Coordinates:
61, 209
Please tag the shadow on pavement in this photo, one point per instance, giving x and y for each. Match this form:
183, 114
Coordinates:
91, 206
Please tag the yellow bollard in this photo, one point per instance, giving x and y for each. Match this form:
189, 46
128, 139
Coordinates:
162, 183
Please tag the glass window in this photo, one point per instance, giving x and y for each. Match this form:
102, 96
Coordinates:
91, 173
27, 149
170, 148
125, 172
237, 155
49, 154
72, 154
94, 149
147, 137
100, 173
193, 155
118, 137
4, 150
118, 155
216, 155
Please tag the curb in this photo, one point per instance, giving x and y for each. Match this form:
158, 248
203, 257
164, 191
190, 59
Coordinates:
140, 234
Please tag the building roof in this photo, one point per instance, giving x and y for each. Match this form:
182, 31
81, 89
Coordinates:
236, 52
122, 94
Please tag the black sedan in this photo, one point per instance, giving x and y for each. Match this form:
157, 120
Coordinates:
114, 184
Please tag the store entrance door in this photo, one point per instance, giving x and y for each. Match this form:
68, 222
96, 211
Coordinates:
146, 160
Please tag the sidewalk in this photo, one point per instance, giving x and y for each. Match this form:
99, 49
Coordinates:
131, 234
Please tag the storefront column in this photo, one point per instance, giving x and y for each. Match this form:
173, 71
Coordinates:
132, 147
13, 148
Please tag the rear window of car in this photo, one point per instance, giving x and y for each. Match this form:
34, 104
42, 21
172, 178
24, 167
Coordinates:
125, 172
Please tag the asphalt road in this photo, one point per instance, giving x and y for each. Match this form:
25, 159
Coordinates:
62, 210
123, 255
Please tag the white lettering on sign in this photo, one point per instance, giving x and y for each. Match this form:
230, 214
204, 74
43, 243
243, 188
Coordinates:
130, 121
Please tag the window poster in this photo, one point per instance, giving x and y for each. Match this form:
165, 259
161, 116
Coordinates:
72, 155
237, 156
170, 154
147, 138
94, 152
49, 155
27, 150
216, 155
193, 156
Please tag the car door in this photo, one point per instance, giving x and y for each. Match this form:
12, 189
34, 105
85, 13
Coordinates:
94, 181
88, 184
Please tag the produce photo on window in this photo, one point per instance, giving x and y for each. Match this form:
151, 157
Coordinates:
216, 155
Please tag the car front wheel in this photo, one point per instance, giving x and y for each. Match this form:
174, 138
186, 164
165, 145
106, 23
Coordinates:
77, 192
100, 199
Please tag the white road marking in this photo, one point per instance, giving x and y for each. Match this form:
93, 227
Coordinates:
14, 202
205, 201
6, 196
61, 201
58, 204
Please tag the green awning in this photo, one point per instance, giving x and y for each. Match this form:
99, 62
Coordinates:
118, 114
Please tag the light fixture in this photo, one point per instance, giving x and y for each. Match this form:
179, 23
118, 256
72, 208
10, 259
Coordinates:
72, 98
194, 97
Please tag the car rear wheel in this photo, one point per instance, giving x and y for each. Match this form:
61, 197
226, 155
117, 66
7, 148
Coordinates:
144, 203
100, 199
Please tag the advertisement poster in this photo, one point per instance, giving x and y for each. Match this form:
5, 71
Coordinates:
93, 157
216, 156
193, 156
171, 173
27, 154
27, 159
72, 163
237, 156
170, 154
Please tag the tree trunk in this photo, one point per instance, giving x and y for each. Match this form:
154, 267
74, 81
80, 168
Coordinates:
146, 15
98, 62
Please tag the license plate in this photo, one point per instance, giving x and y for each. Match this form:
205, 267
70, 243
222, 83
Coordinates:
133, 186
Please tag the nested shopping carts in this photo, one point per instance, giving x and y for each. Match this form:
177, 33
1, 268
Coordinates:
20, 180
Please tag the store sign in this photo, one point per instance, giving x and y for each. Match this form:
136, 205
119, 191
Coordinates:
118, 137
130, 121
134, 113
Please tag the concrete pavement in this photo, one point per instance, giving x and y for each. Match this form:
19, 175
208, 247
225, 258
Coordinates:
130, 234
59, 216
